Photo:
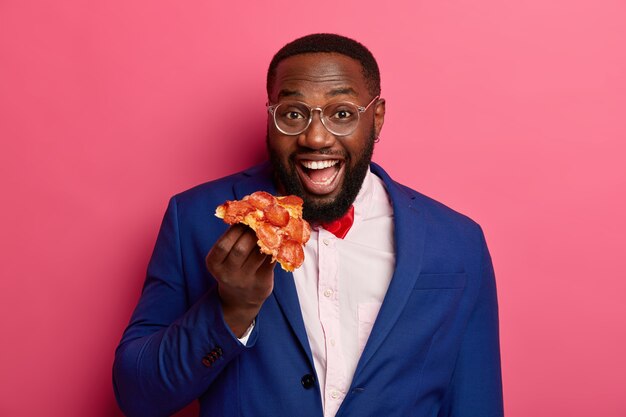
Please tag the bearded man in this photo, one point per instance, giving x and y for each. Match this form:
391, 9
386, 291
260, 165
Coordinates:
393, 315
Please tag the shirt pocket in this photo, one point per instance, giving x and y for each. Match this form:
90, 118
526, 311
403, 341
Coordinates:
367, 313
455, 280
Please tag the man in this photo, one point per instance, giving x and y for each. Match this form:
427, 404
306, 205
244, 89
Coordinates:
397, 318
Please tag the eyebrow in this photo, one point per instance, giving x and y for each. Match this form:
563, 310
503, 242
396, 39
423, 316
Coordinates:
342, 91
332, 93
289, 93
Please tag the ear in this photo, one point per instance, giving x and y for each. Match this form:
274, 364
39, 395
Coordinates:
379, 115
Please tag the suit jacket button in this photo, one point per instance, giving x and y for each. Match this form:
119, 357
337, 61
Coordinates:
308, 381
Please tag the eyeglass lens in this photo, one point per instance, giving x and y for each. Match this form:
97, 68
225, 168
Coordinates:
339, 118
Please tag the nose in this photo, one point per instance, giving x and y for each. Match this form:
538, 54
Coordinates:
316, 136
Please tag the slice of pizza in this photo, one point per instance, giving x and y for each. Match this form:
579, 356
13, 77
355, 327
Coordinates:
277, 221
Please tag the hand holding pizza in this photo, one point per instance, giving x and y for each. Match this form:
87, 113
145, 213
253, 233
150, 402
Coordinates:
244, 273
245, 276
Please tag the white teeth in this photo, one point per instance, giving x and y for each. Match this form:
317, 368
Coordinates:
320, 164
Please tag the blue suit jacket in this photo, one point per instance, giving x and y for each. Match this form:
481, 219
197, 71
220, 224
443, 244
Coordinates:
433, 350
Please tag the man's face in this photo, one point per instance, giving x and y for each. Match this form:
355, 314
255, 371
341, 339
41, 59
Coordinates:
324, 169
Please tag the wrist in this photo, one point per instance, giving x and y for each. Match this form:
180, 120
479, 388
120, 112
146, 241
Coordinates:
239, 319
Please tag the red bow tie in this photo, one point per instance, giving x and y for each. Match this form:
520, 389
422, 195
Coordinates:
340, 226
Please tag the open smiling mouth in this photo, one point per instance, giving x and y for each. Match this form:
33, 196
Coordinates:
320, 176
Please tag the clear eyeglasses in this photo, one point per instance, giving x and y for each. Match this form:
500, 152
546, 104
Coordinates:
294, 117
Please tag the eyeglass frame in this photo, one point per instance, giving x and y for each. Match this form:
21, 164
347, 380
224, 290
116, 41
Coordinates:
272, 107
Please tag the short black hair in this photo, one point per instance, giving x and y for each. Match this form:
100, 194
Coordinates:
329, 42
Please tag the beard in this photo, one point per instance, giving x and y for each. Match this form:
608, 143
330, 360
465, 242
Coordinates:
314, 210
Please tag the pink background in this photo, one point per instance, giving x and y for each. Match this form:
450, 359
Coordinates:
513, 112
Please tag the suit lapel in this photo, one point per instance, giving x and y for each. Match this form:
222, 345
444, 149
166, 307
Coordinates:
409, 234
287, 298
259, 178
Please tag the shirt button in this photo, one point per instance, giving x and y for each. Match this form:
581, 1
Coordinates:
332, 342
326, 241
328, 292
334, 395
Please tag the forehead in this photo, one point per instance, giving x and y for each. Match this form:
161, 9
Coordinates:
319, 74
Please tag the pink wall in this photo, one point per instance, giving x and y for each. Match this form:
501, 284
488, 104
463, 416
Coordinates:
512, 112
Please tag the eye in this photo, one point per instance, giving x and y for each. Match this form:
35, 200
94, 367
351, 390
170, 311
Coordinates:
342, 114
293, 115
292, 112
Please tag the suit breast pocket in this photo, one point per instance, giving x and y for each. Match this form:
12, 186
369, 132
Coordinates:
451, 281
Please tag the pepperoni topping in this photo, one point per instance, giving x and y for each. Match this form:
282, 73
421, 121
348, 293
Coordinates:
294, 229
268, 235
235, 211
261, 199
276, 215
298, 230
292, 200
291, 253
306, 231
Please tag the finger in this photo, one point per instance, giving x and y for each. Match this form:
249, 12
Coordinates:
255, 260
224, 244
267, 266
241, 249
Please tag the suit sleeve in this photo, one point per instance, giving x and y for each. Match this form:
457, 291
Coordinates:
476, 387
171, 352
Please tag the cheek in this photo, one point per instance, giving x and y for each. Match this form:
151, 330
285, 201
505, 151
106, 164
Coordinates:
355, 147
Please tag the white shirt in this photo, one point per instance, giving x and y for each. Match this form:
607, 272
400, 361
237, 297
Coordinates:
341, 286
